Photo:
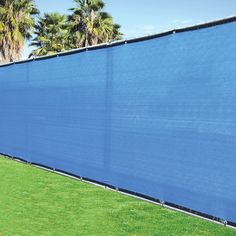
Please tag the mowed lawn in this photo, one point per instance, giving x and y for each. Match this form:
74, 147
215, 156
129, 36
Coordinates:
36, 202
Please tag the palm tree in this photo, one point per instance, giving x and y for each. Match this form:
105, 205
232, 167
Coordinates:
89, 25
51, 35
16, 23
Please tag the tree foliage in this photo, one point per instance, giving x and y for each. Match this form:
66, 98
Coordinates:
16, 23
51, 35
87, 25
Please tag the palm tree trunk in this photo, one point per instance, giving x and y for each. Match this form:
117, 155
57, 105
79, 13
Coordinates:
86, 29
86, 37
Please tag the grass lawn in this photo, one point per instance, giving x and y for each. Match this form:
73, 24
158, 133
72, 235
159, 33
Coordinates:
35, 202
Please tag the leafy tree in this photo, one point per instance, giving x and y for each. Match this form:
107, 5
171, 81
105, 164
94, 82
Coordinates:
89, 25
51, 35
16, 23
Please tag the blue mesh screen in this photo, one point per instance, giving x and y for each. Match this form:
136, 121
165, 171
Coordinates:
157, 117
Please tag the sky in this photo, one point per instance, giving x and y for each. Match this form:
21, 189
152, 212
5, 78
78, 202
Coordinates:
139, 18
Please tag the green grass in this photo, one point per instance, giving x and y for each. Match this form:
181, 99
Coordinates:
36, 202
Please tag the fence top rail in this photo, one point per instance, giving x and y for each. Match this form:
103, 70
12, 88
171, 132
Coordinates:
132, 40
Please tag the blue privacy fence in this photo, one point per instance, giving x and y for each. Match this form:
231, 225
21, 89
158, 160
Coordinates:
155, 116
